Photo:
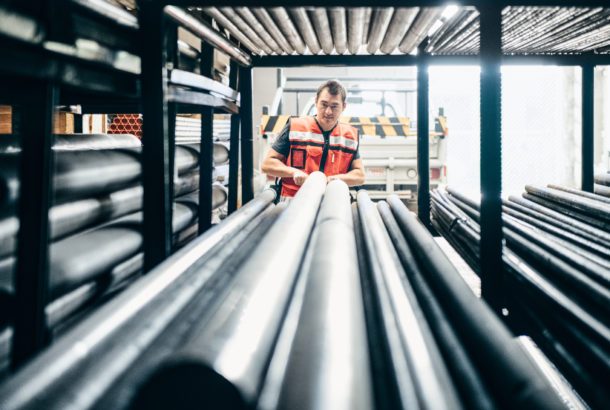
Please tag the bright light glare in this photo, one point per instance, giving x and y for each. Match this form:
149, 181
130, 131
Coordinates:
437, 24
449, 11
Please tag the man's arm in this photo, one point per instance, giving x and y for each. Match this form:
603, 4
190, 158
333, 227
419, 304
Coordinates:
274, 165
355, 175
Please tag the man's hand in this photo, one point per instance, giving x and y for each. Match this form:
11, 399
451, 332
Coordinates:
299, 177
333, 177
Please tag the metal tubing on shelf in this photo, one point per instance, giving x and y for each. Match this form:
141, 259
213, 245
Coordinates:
222, 20
578, 192
588, 119
247, 167
355, 20
419, 372
321, 24
488, 341
400, 24
63, 375
585, 205
224, 361
268, 23
281, 17
491, 156
208, 34
423, 147
305, 28
338, 25
251, 19
419, 29
31, 277
246, 29
368, 12
381, 21
234, 145
330, 338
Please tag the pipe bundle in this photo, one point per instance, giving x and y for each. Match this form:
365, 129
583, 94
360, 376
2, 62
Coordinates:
555, 273
311, 305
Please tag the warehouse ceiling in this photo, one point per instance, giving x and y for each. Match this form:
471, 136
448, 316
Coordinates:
450, 30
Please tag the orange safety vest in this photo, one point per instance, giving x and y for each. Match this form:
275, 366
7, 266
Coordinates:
307, 147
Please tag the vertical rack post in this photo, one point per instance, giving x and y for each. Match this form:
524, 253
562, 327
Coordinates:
234, 144
32, 271
206, 152
588, 84
245, 79
423, 136
491, 155
156, 173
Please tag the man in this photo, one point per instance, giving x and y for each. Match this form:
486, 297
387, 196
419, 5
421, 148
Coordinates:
319, 143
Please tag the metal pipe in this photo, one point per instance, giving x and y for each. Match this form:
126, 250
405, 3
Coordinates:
330, 338
70, 371
469, 383
601, 190
578, 203
602, 179
222, 20
270, 25
321, 24
368, 12
223, 362
305, 28
381, 21
245, 28
110, 11
281, 17
401, 21
339, 28
488, 342
355, 19
247, 15
205, 32
585, 194
418, 31
409, 338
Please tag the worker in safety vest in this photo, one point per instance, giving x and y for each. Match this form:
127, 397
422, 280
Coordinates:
319, 143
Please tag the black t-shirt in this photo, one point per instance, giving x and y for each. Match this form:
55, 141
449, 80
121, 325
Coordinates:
282, 143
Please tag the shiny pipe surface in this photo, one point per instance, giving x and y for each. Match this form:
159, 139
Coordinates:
330, 341
366, 21
339, 28
275, 32
418, 31
222, 20
355, 29
602, 179
205, 32
282, 19
602, 190
381, 21
110, 11
245, 28
568, 211
223, 363
400, 24
251, 19
321, 24
590, 207
487, 340
68, 373
305, 28
420, 373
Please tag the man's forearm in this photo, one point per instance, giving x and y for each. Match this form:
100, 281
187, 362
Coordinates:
354, 177
277, 168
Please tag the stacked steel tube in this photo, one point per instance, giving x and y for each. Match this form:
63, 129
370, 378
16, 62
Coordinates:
556, 273
95, 244
310, 304
602, 184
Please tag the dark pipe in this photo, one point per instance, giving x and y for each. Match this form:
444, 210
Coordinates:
585, 194
472, 389
602, 179
571, 212
223, 361
584, 205
63, 374
488, 342
409, 338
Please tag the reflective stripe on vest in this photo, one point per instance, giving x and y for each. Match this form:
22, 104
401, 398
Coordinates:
306, 147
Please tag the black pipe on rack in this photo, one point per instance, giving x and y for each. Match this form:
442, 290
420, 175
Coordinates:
488, 342
223, 362
418, 370
89, 358
582, 204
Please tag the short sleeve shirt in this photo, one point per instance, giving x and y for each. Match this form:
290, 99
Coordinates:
282, 143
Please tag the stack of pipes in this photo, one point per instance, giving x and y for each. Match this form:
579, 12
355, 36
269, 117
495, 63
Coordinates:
95, 239
556, 273
602, 184
313, 304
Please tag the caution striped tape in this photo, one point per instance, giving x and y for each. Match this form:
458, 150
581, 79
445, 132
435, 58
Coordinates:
382, 126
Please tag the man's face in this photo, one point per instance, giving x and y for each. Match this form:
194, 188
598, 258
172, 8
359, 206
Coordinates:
329, 108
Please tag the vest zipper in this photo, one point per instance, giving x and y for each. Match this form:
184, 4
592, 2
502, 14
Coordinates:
324, 152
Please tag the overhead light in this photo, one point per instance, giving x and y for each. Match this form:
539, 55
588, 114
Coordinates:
449, 12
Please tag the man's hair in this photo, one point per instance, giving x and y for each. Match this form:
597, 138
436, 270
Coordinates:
334, 88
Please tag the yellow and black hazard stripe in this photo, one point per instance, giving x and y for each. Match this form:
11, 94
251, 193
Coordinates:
273, 123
